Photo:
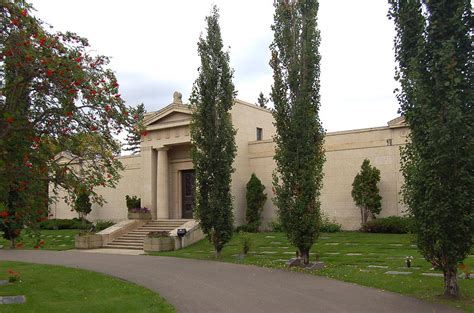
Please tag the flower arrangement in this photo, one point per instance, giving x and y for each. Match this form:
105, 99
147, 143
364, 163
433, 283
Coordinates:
139, 210
466, 270
13, 276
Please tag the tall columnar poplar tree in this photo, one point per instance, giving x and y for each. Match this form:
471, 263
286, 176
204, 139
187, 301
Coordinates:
53, 94
299, 135
212, 136
434, 51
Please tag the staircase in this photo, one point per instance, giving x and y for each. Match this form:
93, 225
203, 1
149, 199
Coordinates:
135, 238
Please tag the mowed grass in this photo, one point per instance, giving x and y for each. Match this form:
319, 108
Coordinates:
349, 256
62, 239
59, 289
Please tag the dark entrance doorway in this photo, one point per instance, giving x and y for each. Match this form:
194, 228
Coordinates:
187, 192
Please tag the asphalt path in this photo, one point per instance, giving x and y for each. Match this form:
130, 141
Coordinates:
206, 286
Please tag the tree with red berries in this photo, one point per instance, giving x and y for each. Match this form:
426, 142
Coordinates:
60, 110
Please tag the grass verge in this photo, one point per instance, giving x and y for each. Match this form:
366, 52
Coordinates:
62, 239
59, 289
349, 256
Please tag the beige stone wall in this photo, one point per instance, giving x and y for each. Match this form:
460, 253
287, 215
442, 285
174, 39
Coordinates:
115, 208
345, 152
246, 118
169, 128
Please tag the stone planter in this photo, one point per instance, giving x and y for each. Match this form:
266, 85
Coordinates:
158, 244
139, 216
92, 241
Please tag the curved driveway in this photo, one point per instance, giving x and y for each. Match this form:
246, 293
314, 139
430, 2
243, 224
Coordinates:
205, 286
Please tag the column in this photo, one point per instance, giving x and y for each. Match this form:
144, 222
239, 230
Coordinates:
162, 193
149, 179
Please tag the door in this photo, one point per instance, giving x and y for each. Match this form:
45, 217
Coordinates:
187, 192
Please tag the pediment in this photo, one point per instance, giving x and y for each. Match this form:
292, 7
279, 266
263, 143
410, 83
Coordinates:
169, 116
397, 122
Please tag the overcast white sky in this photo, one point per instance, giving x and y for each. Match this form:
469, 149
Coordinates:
153, 45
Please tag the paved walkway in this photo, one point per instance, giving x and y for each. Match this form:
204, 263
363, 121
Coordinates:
204, 286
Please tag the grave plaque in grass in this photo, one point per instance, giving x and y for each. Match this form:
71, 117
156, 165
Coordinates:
12, 299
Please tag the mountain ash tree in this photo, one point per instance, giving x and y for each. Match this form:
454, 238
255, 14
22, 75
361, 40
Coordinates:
299, 135
212, 136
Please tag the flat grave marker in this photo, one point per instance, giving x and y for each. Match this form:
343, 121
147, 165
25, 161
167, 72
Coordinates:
397, 273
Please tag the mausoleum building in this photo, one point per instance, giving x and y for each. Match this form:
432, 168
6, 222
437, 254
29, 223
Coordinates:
162, 174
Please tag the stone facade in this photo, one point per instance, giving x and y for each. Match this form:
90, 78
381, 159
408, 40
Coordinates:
156, 175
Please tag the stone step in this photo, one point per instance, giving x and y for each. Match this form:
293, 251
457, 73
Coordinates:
146, 231
128, 244
159, 225
125, 242
128, 239
140, 235
182, 221
135, 238
118, 246
165, 223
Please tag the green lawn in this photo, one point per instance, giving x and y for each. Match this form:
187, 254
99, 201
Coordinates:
62, 239
353, 257
59, 289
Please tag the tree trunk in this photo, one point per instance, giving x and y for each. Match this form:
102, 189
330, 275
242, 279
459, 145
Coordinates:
451, 287
12, 243
304, 254
217, 253
362, 215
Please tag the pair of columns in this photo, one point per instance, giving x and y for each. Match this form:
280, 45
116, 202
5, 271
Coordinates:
156, 181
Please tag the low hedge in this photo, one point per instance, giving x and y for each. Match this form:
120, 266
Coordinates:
388, 225
57, 223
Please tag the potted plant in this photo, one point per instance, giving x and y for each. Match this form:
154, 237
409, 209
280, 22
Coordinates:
157, 241
88, 239
139, 214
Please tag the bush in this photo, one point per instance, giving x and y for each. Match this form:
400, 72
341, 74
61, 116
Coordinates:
328, 225
246, 242
255, 201
54, 224
83, 205
101, 225
276, 226
133, 202
388, 225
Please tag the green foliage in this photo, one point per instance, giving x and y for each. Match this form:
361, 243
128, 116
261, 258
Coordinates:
60, 111
262, 101
212, 136
255, 201
365, 191
133, 202
103, 224
389, 225
83, 205
299, 135
134, 137
433, 48
55, 224
276, 226
329, 225
246, 242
